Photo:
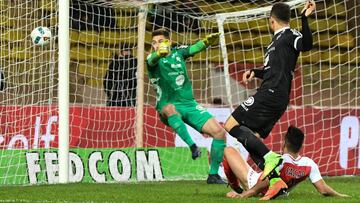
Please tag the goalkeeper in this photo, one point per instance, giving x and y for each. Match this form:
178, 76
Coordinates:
175, 100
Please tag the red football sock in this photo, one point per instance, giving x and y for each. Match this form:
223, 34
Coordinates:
232, 179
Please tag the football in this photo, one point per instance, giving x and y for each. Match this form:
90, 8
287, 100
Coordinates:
41, 36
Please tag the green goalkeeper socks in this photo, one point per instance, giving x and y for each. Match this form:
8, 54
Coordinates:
178, 125
216, 155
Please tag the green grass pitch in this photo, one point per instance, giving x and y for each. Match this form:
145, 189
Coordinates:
170, 192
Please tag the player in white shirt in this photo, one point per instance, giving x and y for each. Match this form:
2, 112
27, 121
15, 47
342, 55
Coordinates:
246, 182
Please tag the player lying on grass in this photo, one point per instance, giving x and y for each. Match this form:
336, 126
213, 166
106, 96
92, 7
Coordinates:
293, 170
175, 100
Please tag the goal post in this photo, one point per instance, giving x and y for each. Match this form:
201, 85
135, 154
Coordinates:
63, 90
140, 75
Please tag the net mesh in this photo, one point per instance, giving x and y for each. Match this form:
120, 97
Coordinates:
325, 88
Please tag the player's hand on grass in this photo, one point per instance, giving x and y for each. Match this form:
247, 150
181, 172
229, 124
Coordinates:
233, 194
164, 48
248, 76
211, 39
309, 8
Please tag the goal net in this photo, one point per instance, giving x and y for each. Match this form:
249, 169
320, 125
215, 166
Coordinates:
115, 132
325, 94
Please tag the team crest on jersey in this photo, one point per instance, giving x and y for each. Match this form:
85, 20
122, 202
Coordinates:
180, 80
249, 101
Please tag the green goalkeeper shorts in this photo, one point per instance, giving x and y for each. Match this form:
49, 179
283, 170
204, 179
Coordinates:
191, 113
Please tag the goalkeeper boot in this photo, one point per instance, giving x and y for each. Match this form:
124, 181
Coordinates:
214, 179
195, 152
272, 163
277, 188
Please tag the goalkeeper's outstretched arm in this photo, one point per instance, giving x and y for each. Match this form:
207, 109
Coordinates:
155, 56
201, 45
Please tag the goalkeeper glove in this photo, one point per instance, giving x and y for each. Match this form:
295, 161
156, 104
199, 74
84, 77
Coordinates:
164, 48
211, 39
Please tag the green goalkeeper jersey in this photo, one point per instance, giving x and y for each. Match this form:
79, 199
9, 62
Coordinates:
169, 75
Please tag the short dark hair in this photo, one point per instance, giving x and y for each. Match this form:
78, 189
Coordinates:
161, 31
294, 139
281, 12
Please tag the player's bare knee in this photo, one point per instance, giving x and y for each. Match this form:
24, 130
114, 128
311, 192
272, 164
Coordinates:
230, 154
169, 110
218, 133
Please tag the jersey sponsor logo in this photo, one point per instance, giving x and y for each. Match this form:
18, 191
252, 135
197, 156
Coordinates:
295, 173
180, 80
173, 73
175, 65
